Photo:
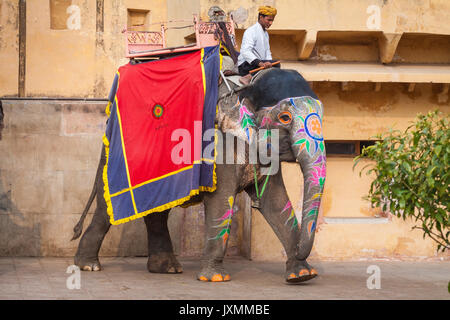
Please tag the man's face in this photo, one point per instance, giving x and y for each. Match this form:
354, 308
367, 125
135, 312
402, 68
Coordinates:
266, 21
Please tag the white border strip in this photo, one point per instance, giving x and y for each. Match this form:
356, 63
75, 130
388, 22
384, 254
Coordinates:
356, 220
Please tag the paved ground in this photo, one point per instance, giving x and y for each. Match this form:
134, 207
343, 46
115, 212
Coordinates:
127, 278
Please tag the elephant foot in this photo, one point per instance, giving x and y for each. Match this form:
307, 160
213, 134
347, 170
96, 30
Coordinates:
213, 272
163, 262
88, 264
298, 271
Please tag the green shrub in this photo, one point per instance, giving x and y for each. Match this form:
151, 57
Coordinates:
411, 171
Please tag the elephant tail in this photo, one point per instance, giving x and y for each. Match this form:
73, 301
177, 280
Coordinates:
79, 226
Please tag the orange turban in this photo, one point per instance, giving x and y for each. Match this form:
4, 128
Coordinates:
267, 11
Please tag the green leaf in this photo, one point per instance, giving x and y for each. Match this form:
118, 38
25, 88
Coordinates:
301, 118
430, 171
407, 167
299, 141
321, 145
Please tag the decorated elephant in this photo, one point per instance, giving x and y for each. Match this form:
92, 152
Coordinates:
279, 101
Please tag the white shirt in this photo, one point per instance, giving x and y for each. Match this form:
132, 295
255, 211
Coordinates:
255, 45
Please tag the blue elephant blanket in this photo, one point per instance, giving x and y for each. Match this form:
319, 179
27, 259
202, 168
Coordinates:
158, 113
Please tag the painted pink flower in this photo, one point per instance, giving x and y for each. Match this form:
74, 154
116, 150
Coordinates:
287, 206
265, 120
318, 175
243, 110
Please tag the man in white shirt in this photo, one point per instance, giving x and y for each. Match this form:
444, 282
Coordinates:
255, 48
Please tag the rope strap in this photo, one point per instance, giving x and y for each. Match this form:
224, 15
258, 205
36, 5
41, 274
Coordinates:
259, 195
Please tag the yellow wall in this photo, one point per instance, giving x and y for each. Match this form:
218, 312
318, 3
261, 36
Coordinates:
9, 48
63, 62
81, 63
422, 16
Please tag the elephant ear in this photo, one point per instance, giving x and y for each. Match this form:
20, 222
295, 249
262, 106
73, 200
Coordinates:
236, 119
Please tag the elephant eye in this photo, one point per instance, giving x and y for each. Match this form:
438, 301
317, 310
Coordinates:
285, 117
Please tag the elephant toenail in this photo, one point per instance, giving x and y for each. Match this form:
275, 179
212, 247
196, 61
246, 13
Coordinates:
303, 272
202, 278
227, 278
171, 270
314, 272
217, 278
87, 268
292, 276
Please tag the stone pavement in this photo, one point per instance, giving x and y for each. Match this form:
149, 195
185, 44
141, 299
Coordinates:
127, 278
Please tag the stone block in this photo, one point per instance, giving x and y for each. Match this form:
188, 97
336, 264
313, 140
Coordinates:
193, 231
33, 117
77, 189
84, 118
20, 234
17, 152
37, 191
5, 193
265, 244
67, 153
56, 232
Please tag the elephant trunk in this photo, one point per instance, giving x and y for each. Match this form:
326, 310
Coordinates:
314, 172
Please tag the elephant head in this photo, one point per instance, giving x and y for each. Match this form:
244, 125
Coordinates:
282, 100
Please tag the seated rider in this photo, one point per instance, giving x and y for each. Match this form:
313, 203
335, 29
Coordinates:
255, 49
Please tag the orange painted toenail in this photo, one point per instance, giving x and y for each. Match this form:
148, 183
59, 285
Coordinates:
227, 278
314, 272
292, 276
303, 272
202, 278
217, 278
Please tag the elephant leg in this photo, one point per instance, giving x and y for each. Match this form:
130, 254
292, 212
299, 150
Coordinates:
219, 209
279, 213
161, 258
91, 241
88, 248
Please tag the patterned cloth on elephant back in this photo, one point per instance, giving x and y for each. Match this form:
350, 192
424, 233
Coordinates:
157, 111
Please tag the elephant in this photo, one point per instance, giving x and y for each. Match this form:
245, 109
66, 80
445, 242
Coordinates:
276, 99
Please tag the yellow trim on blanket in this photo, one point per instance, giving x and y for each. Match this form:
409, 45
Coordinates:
108, 110
163, 176
157, 209
106, 194
152, 180
125, 155
202, 55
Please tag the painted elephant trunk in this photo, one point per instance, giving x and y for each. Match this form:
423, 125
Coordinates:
314, 179
309, 147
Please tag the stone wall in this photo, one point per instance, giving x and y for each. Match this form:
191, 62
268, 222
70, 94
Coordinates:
48, 159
